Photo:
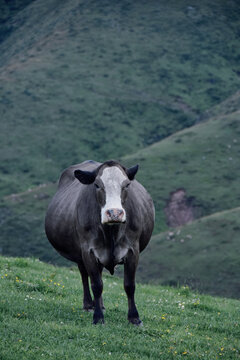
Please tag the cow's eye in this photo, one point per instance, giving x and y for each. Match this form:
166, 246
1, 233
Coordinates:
97, 186
126, 186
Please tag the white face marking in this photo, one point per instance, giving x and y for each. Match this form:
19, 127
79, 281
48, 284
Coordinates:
112, 178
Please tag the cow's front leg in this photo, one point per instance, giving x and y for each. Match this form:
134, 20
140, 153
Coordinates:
130, 267
97, 288
94, 269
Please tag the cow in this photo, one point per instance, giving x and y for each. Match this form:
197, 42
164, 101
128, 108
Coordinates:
99, 217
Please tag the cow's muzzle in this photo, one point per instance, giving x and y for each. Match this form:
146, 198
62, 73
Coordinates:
113, 216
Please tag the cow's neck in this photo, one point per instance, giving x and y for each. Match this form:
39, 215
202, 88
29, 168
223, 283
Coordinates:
111, 232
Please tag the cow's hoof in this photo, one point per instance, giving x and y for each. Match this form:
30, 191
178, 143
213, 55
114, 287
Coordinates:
135, 321
88, 307
98, 321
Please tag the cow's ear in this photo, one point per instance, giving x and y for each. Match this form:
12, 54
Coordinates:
85, 177
131, 172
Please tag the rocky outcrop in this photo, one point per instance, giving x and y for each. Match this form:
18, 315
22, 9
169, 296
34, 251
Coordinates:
179, 209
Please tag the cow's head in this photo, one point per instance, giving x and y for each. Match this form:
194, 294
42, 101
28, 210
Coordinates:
111, 183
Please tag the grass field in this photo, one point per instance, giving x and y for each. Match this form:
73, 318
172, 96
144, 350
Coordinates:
41, 318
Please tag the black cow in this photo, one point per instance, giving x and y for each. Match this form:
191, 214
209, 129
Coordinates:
101, 217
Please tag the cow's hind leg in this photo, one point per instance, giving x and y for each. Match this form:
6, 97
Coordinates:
88, 304
130, 266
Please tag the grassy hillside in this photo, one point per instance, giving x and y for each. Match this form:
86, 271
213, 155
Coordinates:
22, 225
204, 255
101, 80
41, 317
9, 9
204, 160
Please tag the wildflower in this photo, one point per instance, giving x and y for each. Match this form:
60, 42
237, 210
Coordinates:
104, 343
185, 353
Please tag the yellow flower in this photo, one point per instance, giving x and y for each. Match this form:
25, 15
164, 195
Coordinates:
104, 343
184, 353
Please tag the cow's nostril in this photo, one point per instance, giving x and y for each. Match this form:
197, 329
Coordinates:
120, 213
109, 213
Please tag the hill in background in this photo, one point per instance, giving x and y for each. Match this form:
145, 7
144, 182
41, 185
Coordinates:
150, 83
103, 80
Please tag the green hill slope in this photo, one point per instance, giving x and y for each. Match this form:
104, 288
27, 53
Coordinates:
204, 255
101, 80
203, 160
22, 225
41, 318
